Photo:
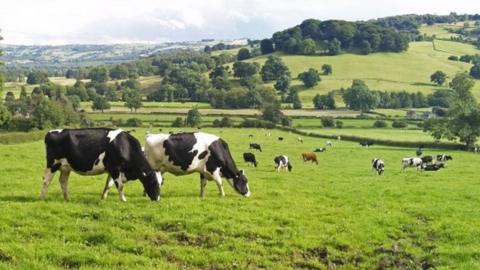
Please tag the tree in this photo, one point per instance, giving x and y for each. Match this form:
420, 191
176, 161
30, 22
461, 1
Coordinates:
438, 77
244, 69
283, 83
334, 47
324, 102
310, 78
243, 54
100, 103
475, 71
266, 46
271, 112
273, 69
133, 100
309, 47
328, 122
327, 69
119, 72
194, 118
165, 92
98, 74
463, 118
37, 77
359, 97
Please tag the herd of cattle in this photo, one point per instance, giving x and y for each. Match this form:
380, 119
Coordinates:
94, 151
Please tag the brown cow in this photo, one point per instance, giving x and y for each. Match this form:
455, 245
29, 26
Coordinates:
310, 156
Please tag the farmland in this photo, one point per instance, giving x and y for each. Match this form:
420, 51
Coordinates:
313, 217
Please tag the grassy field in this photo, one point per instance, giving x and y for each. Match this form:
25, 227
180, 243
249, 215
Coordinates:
337, 214
409, 71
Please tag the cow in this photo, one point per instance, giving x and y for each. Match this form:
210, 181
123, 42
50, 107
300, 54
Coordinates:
320, 149
282, 162
427, 159
250, 158
476, 149
255, 146
309, 156
366, 144
412, 162
443, 158
300, 140
329, 143
433, 167
378, 165
94, 151
250, 136
280, 138
268, 134
187, 153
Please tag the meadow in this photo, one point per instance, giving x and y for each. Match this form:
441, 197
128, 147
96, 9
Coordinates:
335, 215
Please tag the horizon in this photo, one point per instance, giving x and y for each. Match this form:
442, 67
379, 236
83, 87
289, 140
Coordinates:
27, 22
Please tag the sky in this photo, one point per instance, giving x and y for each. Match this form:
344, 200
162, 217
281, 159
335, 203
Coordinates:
58, 22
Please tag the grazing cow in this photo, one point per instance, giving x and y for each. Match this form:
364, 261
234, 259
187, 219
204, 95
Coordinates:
412, 162
433, 167
250, 136
320, 149
476, 149
309, 156
250, 158
427, 159
268, 134
282, 162
280, 138
329, 143
94, 151
378, 165
444, 158
366, 144
299, 139
255, 146
186, 153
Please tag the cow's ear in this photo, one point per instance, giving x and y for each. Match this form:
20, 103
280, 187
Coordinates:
241, 172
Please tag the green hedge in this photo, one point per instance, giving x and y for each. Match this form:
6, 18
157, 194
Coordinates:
21, 137
413, 144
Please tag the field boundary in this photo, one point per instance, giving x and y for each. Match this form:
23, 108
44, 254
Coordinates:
435, 145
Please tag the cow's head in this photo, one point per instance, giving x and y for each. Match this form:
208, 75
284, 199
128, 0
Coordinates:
240, 184
289, 165
381, 168
151, 185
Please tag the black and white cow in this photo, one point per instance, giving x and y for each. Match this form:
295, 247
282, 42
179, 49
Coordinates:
444, 158
186, 153
280, 138
255, 146
378, 165
250, 158
320, 149
329, 143
427, 159
433, 167
94, 151
412, 162
282, 162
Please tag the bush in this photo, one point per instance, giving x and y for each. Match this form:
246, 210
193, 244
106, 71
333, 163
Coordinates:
399, 124
453, 58
339, 124
380, 124
328, 122
257, 124
133, 122
225, 122
286, 121
178, 122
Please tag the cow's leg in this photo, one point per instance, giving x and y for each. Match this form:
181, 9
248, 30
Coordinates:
119, 184
218, 179
203, 183
47, 178
64, 183
108, 184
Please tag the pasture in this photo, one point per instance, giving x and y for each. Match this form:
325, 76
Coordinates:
337, 214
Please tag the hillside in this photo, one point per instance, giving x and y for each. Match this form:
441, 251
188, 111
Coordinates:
408, 71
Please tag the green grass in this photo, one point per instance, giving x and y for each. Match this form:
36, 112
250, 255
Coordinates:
409, 71
334, 215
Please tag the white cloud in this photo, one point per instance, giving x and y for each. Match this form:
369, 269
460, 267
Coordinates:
111, 21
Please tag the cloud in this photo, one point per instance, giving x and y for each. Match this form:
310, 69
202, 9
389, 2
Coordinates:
113, 21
